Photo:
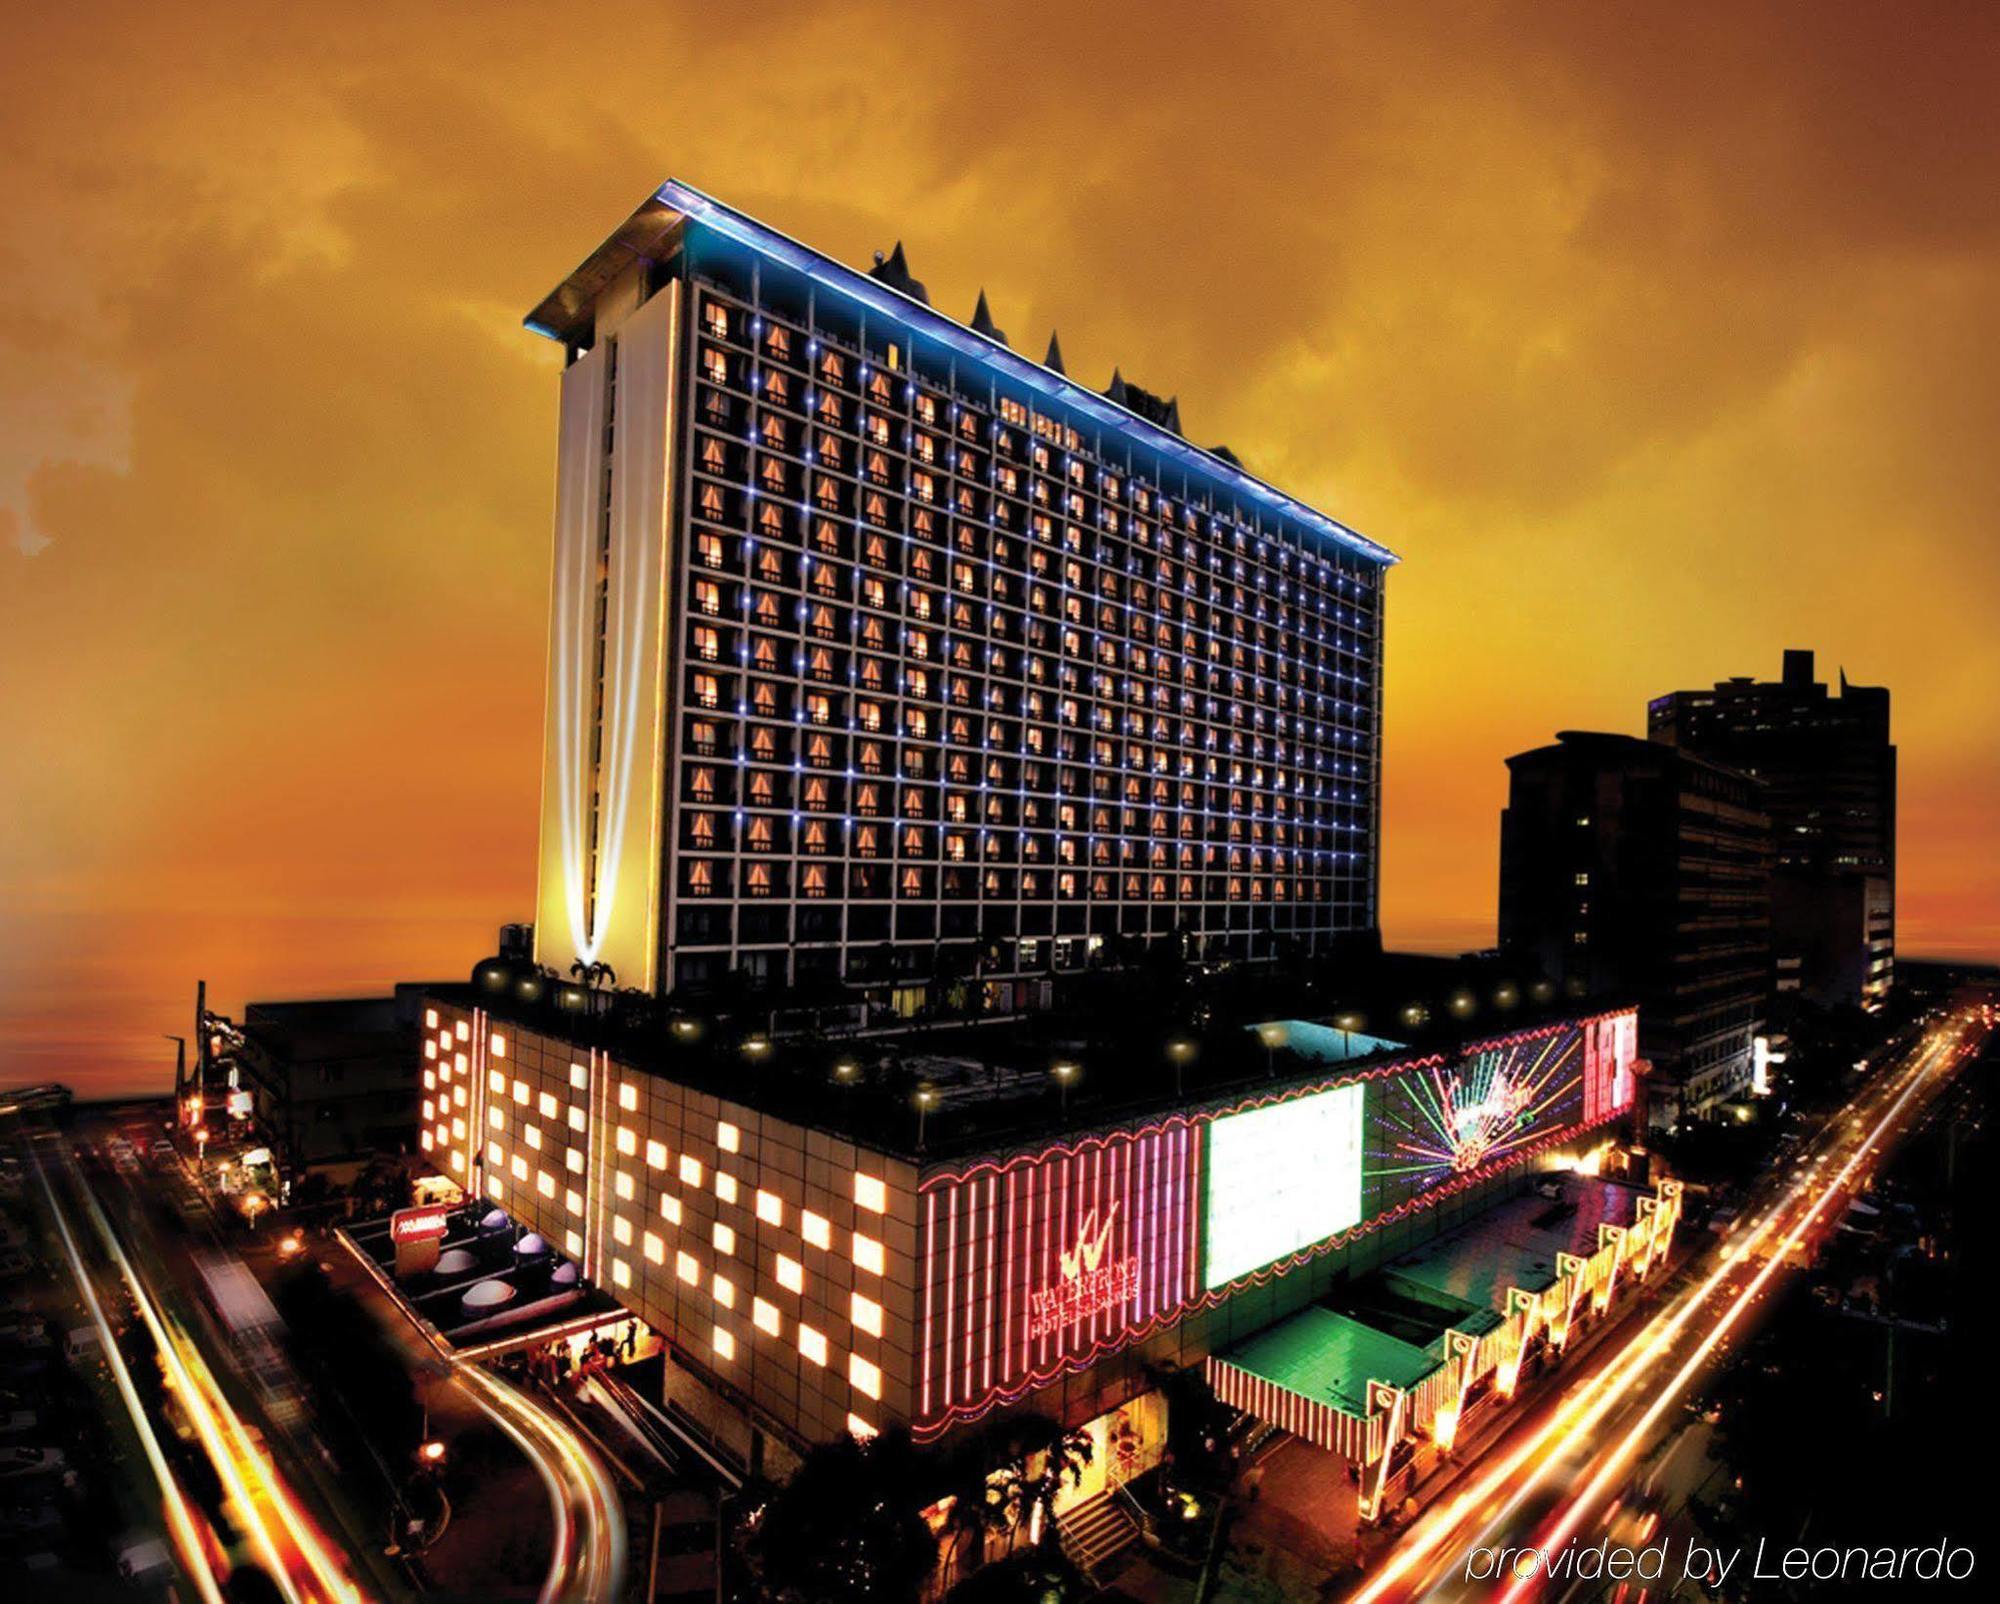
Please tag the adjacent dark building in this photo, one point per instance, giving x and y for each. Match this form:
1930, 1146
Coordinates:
333, 1080
1634, 869
1829, 775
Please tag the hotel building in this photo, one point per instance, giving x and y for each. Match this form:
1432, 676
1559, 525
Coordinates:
879, 650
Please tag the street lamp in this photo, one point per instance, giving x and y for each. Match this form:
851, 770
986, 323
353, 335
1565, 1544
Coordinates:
924, 1096
845, 1072
1273, 1037
431, 1453
1180, 1051
755, 1047
1347, 1024
1065, 1070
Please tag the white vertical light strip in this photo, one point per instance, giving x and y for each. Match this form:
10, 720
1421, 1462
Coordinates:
608, 909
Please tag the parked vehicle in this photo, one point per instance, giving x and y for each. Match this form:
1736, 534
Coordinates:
83, 1342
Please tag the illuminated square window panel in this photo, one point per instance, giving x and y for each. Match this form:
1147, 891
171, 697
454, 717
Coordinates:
579, 1077
725, 1186
628, 1096
621, 1273
547, 1106
686, 1268
723, 1290
573, 1201
573, 1160
870, 1193
723, 1343
573, 1244
545, 1183
728, 1137
654, 1249
656, 1155
623, 1184
497, 1045
1280, 1179
464, 1030
866, 1314
859, 1429
723, 1237
670, 1210
627, 1140
868, 1254
770, 1208
791, 1274
764, 1315
621, 1230
812, 1344
815, 1229
690, 1168
867, 1378
520, 1091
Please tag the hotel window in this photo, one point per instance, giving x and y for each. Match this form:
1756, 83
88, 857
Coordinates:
621, 1230
723, 1237
723, 1290
866, 1314
573, 1201
815, 1229
723, 1343
868, 1253
686, 1268
764, 1316
621, 1273
654, 1249
770, 1208
670, 1210
628, 1140
866, 1377
790, 1273
690, 1170
656, 1155
812, 1344
870, 1193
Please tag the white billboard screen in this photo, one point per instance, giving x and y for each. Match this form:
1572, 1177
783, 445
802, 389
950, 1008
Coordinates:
1281, 1178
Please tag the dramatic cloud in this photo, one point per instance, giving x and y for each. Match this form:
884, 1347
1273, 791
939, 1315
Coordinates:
1655, 343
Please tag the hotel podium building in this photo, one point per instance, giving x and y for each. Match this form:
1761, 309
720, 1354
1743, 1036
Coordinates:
877, 651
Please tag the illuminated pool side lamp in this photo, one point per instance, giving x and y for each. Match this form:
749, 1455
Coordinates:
1273, 1037
1063, 1072
1181, 1052
925, 1097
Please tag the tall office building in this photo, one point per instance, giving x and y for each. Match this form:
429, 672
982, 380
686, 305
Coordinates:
1633, 870
1829, 774
879, 651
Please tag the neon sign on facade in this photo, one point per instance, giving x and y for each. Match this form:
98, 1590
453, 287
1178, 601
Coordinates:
1037, 1265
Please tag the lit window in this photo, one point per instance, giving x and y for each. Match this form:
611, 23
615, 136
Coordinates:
494, 1153
868, 1253
430, 1019
670, 1210
687, 1269
621, 1183
533, 1136
815, 1229
573, 1201
690, 1170
579, 1077
791, 1274
424, 1140
724, 1238
812, 1344
628, 1096
573, 1244
495, 1081
870, 1193
499, 1045
770, 1208
545, 1183
865, 1376
573, 1160
728, 1138
859, 1429
654, 1249
547, 1104
724, 1290
725, 1187
724, 1344
656, 1155
463, 1030
520, 1091
496, 1119
628, 1140
621, 1273
621, 1230
866, 1314
519, 1166
575, 1117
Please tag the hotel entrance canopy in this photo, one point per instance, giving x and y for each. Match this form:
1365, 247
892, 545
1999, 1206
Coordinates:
1310, 1375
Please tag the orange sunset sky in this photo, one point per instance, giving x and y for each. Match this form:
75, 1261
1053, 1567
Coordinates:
1654, 339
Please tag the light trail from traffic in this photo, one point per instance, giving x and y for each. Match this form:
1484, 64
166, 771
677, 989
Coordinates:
295, 1556
1499, 1492
589, 1557
188, 1537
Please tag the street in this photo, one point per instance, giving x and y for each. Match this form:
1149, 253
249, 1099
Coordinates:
1560, 1473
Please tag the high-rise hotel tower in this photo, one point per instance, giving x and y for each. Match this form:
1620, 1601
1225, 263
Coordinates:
879, 651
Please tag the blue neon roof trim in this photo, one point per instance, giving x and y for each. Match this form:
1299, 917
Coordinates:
934, 325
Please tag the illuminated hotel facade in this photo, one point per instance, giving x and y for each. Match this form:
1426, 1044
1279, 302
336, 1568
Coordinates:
872, 642
877, 648
807, 1281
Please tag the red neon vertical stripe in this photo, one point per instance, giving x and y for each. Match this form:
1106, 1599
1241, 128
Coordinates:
986, 1315
1008, 1246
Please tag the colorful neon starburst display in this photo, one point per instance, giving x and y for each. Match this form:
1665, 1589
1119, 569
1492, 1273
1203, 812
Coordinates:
1448, 1120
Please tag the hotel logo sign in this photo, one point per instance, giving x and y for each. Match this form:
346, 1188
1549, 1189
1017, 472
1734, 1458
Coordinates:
1087, 1282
